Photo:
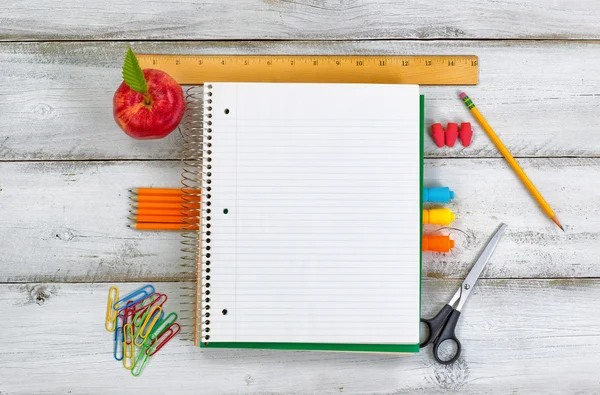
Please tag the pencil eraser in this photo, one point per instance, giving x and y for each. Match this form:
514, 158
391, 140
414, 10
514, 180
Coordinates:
437, 243
438, 216
437, 133
465, 133
437, 195
462, 95
451, 134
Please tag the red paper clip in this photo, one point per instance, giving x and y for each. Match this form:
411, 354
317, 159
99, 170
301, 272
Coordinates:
165, 336
144, 303
129, 315
142, 312
128, 319
125, 313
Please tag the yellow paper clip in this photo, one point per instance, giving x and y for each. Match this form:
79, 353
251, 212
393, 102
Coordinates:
111, 314
128, 350
154, 314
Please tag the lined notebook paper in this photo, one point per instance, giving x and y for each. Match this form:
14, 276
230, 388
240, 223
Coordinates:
313, 224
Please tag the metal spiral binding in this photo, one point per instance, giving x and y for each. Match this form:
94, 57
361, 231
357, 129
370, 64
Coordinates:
192, 179
203, 321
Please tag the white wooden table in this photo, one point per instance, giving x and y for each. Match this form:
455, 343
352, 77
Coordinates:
533, 323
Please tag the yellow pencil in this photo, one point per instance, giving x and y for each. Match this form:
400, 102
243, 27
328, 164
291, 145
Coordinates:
509, 158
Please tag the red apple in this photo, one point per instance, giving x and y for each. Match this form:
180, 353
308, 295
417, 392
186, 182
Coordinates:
152, 115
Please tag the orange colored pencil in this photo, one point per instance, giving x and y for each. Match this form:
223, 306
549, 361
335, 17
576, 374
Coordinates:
158, 218
162, 226
161, 191
164, 198
168, 212
166, 205
163, 208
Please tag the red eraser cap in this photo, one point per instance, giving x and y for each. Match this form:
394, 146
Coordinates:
466, 133
437, 133
451, 134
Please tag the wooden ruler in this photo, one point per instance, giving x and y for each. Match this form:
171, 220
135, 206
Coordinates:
422, 70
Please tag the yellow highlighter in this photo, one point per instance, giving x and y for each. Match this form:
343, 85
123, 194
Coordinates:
438, 216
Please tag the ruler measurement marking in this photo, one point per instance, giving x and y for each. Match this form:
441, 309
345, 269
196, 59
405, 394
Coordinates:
414, 69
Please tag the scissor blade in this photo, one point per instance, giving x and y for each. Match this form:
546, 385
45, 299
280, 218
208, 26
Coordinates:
484, 258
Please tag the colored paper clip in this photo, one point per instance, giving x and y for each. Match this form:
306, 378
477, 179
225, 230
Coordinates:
128, 316
163, 339
136, 296
123, 315
111, 314
119, 341
141, 315
128, 350
146, 328
136, 329
143, 304
162, 326
140, 361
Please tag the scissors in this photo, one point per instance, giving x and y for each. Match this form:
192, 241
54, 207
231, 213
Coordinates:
442, 326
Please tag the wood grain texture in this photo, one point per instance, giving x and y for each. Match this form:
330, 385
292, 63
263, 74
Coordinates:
297, 19
66, 221
518, 336
540, 97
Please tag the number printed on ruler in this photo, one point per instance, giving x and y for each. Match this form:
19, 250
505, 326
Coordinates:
418, 69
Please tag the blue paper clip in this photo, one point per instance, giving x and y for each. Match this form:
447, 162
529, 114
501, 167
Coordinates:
134, 297
119, 340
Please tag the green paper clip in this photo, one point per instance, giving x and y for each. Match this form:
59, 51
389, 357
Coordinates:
140, 316
141, 360
162, 325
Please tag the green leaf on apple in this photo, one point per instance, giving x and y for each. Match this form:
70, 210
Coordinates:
133, 74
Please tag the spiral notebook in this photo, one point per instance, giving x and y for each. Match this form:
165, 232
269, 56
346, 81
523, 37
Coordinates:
311, 220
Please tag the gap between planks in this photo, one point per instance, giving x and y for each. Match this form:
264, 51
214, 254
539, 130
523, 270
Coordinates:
123, 160
315, 41
187, 281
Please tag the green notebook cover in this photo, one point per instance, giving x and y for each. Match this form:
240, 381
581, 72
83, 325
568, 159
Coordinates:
354, 347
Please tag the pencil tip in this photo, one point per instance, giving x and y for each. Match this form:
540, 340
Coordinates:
557, 222
134, 198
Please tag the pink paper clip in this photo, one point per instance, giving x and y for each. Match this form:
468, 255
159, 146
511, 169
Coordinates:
163, 339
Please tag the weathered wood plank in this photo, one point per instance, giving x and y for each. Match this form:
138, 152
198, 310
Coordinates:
518, 336
297, 19
66, 221
541, 97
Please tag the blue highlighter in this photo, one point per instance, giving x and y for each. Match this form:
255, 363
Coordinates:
437, 195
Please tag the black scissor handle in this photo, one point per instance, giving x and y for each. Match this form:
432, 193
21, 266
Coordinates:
448, 335
436, 324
